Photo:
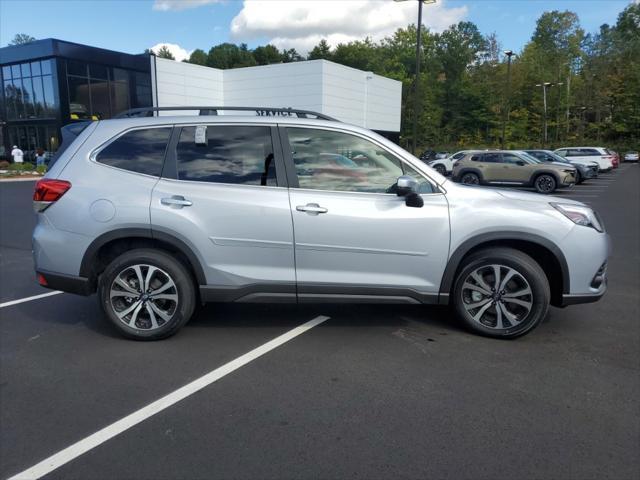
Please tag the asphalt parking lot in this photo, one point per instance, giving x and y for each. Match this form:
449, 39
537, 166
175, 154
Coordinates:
372, 392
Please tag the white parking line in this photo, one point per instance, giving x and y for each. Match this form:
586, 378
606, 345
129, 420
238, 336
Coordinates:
92, 441
28, 299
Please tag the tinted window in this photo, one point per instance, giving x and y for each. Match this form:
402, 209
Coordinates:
490, 158
231, 154
589, 152
511, 159
337, 161
458, 156
140, 151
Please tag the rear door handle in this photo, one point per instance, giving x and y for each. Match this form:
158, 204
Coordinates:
176, 201
311, 208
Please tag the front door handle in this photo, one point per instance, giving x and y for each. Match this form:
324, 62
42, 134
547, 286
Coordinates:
176, 201
311, 208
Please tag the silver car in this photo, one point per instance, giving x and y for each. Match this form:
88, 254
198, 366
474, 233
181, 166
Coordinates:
157, 214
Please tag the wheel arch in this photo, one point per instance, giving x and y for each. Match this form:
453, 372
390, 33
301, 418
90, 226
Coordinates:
537, 173
545, 252
108, 245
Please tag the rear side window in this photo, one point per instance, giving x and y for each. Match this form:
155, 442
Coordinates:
227, 154
140, 151
490, 158
589, 152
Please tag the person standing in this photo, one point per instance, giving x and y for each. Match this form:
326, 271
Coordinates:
17, 154
39, 157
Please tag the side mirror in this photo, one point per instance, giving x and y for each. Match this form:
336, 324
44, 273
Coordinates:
413, 200
521, 163
407, 187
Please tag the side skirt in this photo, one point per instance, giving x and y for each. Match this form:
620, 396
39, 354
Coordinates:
309, 293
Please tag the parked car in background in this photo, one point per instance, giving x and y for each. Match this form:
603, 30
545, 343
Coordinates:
159, 214
584, 169
598, 154
505, 167
444, 166
631, 156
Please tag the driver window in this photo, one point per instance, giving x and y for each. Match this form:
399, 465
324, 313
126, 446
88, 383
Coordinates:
511, 159
337, 161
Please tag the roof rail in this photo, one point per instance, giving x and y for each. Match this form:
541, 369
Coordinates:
260, 111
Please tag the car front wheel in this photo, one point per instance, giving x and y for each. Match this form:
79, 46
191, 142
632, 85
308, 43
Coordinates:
501, 292
545, 183
440, 169
146, 294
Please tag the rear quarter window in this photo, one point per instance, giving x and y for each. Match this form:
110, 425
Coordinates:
139, 151
589, 152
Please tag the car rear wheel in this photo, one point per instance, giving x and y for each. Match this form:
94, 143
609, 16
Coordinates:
501, 292
147, 294
440, 169
470, 179
545, 183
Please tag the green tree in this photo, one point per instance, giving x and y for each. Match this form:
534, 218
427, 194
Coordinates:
229, 55
266, 55
198, 57
22, 39
164, 52
322, 51
291, 55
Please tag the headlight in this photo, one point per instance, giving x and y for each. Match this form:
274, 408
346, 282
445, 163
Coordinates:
580, 215
570, 170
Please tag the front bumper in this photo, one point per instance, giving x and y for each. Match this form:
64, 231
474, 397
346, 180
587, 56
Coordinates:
576, 299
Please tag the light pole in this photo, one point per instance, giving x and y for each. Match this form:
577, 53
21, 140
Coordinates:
505, 112
416, 85
544, 86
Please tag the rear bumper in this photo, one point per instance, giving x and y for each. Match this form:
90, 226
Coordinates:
65, 283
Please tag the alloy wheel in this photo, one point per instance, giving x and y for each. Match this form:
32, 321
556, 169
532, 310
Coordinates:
470, 179
497, 297
545, 184
143, 297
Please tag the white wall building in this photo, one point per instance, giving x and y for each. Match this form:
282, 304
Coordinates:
347, 94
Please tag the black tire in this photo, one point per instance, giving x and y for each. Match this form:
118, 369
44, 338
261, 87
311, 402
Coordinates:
470, 178
527, 270
440, 169
168, 270
545, 183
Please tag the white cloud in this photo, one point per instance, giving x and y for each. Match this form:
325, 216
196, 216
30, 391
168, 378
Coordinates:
301, 24
166, 5
177, 51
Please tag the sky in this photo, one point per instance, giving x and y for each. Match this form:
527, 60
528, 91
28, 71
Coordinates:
133, 25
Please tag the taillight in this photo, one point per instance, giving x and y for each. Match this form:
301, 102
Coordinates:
48, 191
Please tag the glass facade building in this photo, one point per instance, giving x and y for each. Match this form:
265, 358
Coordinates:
49, 83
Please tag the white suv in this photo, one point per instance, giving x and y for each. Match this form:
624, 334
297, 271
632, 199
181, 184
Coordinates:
157, 214
444, 166
598, 154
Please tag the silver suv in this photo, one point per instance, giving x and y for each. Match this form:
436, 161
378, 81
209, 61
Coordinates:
160, 213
